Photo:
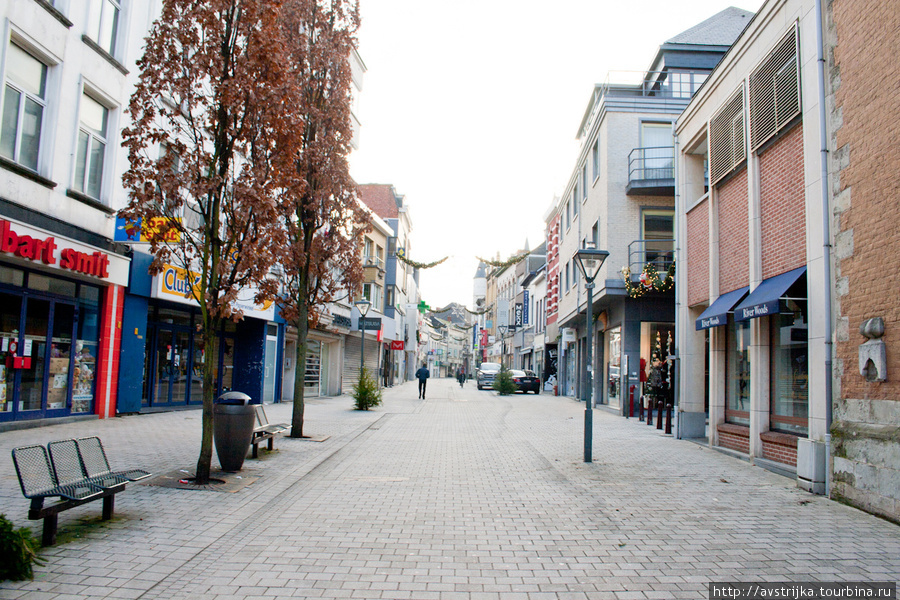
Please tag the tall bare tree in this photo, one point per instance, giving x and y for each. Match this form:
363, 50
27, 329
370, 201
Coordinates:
323, 218
203, 148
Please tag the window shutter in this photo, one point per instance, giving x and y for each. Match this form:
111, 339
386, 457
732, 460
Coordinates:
726, 138
775, 90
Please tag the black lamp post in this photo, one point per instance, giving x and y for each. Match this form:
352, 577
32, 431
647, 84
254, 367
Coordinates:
502, 329
363, 307
589, 261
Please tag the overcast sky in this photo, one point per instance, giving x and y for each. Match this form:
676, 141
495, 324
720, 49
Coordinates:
470, 109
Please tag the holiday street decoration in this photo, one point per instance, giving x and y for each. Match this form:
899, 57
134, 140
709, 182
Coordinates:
480, 312
505, 263
649, 281
401, 256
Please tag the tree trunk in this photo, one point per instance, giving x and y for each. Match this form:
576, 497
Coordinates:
300, 371
210, 362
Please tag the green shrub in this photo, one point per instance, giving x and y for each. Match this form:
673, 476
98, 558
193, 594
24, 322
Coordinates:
18, 551
366, 392
504, 383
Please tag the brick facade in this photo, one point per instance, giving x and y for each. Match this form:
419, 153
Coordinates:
734, 437
553, 271
780, 447
865, 181
782, 204
734, 232
698, 253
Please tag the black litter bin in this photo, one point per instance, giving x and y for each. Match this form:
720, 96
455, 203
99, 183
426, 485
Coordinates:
233, 421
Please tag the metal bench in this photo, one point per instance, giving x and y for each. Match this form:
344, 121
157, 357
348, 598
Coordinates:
265, 431
59, 471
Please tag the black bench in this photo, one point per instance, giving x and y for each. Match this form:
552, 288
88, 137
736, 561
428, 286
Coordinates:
265, 431
76, 472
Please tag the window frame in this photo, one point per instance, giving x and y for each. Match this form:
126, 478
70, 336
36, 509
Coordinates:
23, 94
95, 24
106, 140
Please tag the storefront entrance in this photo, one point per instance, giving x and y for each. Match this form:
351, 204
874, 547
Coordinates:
48, 345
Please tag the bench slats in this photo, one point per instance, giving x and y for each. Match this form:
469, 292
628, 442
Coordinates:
96, 465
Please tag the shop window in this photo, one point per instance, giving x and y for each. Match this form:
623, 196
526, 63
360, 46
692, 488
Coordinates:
91, 149
614, 352
789, 406
24, 100
11, 276
85, 364
737, 379
51, 285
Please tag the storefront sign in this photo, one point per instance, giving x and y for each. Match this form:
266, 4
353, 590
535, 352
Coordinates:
134, 231
22, 241
519, 314
176, 285
341, 321
397, 345
369, 323
525, 317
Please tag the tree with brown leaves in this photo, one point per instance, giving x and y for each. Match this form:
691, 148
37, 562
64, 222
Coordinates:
318, 204
203, 151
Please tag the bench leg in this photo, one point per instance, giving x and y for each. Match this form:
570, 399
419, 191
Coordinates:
48, 538
271, 443
109, 504
255, 452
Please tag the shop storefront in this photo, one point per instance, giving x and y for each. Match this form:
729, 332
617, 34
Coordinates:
58, 299
161, 332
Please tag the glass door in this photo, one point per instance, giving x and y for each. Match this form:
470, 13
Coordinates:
163, 372
33, 346
10, 316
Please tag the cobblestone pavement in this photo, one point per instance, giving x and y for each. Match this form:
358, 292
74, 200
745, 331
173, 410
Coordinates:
466, 495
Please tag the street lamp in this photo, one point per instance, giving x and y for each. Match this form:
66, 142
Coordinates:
589, 261
502, 329
363, 307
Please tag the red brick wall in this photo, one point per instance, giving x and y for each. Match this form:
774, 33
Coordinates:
734, 437
553, 271
782, 204
734, 234
698, 253
867, 138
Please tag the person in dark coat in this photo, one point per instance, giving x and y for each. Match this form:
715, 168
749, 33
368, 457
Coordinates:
422, 375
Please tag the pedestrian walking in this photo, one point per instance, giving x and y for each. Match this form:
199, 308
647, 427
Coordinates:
460, 377
422, 375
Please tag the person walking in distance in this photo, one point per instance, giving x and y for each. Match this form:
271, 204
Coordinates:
422, 375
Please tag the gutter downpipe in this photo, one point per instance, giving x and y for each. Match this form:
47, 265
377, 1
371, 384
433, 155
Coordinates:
826, 232
676, 378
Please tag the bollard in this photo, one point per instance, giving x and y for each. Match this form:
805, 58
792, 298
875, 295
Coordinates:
650, 402
630, 403
659, 410
668, 418
641, 409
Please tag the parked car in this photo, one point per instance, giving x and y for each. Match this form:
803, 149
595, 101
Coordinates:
526, 381
485, 374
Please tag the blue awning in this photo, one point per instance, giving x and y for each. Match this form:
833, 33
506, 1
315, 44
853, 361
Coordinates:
764, 299
717, 312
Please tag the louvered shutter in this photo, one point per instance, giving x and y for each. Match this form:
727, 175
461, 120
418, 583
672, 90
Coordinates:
726, 138
775, 90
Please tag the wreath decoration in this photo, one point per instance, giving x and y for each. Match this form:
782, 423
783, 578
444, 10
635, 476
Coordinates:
649, 280
401, 256
504, 263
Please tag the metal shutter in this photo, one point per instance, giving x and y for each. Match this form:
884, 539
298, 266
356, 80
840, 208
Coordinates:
775, 90
726, 138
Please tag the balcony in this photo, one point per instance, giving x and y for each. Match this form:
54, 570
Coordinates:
651, 171
660, 253
373, 269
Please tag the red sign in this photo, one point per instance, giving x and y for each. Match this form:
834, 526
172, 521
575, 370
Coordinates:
397, 345
22, 362
25, 246
380, 335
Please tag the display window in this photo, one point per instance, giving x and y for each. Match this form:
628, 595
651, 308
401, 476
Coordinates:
48, 345
737, 367
789, 402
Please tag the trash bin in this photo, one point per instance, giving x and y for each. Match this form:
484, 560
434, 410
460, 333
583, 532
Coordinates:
233, 421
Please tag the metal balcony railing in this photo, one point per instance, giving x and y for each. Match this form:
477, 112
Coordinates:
373, 261
651, 164
660, 253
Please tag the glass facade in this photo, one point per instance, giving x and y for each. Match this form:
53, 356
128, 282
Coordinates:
789, 408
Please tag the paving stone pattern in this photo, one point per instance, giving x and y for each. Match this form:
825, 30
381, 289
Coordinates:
466, 495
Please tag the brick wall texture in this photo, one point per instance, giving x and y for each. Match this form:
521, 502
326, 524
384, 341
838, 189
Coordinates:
865, 183
734, 442
782, 204
698, 253
734, 236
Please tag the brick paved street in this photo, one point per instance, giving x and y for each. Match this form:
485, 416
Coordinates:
466, 495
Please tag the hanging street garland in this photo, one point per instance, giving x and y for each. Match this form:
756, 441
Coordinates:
649, 281
505, 263
479, 312
401, 256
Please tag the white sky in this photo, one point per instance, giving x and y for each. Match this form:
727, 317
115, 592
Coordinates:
470, 109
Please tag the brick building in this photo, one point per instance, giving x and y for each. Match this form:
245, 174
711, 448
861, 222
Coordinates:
864, 180
754, 284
